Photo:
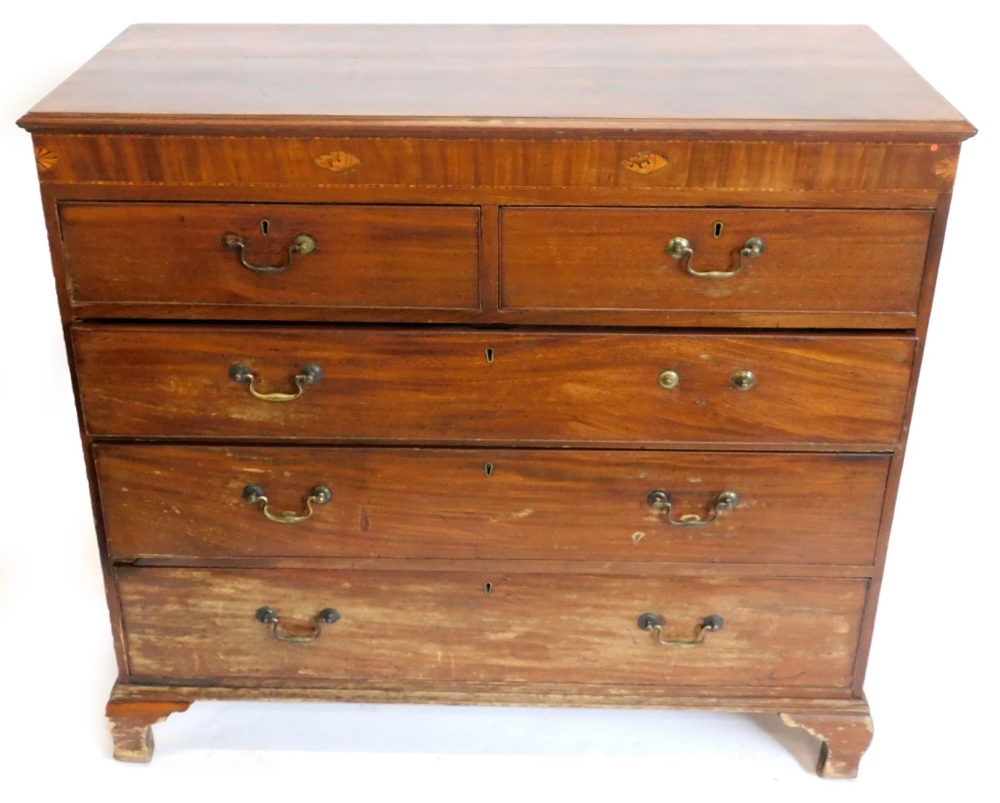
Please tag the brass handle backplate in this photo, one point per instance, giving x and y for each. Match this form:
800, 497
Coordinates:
302, 244
255, 495
660, 500
669, 379
680, 248
653, 623
308, 375
268, 616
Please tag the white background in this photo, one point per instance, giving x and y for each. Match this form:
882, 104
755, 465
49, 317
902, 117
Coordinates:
932, 680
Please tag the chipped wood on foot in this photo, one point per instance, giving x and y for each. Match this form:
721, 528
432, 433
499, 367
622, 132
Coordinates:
845, 739
132, 726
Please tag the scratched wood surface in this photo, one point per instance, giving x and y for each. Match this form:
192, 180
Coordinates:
186, 501
200, 623
441, 385
454, 692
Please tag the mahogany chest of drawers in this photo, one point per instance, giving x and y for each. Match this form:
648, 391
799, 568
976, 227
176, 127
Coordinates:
564, 366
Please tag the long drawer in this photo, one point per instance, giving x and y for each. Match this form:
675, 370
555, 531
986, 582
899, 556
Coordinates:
736, 260
454, 386
169, 501
208, 624
342, 256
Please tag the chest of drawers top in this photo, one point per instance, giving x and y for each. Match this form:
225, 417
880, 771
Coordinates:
411, 359
818, 82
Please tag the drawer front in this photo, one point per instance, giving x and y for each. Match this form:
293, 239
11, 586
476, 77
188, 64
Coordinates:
617, 259
185, 624
188, 501
363, 256
455, 386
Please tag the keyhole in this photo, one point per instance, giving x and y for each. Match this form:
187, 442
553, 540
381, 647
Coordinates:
489, 469
265, 227
489, 355
488, 587
717, 231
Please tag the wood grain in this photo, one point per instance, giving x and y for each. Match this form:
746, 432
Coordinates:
738, 165
365, 256
547, 565
616, 259
107, 194
714, 698
438, 385
189, 623
827, 80
184, 501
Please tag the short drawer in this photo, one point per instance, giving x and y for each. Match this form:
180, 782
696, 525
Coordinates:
344, 256
171, 501
616, 259
453, 386
384, 626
